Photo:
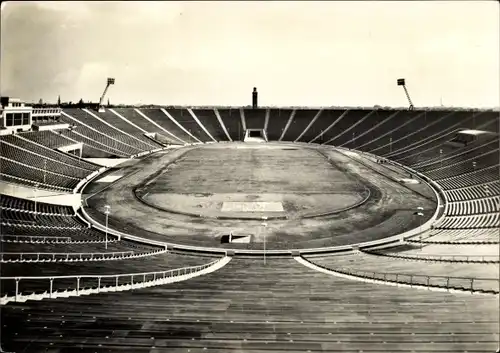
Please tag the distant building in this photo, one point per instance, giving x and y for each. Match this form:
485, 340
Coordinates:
14, 115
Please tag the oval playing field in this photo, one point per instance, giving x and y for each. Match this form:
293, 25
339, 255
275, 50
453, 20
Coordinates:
253, 182
294, 196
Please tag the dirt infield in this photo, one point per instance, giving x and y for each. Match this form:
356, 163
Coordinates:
300, 180
388, 211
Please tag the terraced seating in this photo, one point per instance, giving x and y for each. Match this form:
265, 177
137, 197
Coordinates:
21, 142
451, 253
75, 234
382, 136
18, 217
474, 207
136, 118
92, 148
278, 119
446, 236
125, 142
97, 133
23, 205
413, 132
39, 161
476, 162
281, 306
28, 219
195, 131
139, 140
255, 118
428, 149
345, 127
51, 239
16, 252
109, 124
477, 177
24, 222
232, 121
300, 121
320, 125
476, 251
209, 120
473, 192
25, 174
47, 138
164, 122
63, 247
140, 120
441, 126
455, 274
468, 174
468, 152
361, 124
158, 262
377, 127
489, 220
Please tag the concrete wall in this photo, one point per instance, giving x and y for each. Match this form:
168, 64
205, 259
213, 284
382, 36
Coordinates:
71, 147
48, 196
106, 162
50, 127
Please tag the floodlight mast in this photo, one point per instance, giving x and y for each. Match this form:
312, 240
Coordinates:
402, 82
111, 81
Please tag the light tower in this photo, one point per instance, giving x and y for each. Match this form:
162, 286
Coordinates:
401, 82
111, 81
420, 215
107, 212
264, 224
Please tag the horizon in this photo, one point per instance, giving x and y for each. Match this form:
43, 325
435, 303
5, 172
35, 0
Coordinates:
207, 54
249, 107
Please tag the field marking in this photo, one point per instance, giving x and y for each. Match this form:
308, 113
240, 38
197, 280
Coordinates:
109, 178
409, 181
242, 206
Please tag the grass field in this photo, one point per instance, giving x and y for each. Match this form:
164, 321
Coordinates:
252, 171
205, 181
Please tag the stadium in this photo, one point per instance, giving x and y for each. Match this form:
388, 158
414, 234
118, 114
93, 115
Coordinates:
249, 232
248, 228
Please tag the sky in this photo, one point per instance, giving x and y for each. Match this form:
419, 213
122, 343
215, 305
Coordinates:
326, 53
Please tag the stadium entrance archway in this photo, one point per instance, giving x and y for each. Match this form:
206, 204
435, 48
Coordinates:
255, 135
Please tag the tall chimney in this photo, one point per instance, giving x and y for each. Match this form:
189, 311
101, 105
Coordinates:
254, 98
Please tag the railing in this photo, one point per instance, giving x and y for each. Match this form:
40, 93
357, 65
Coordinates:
451, 242
485, 285
39, 256
443, 258
34, 238
100, 283
34, 212
38, 226
39, 239
17, 221
438, 190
